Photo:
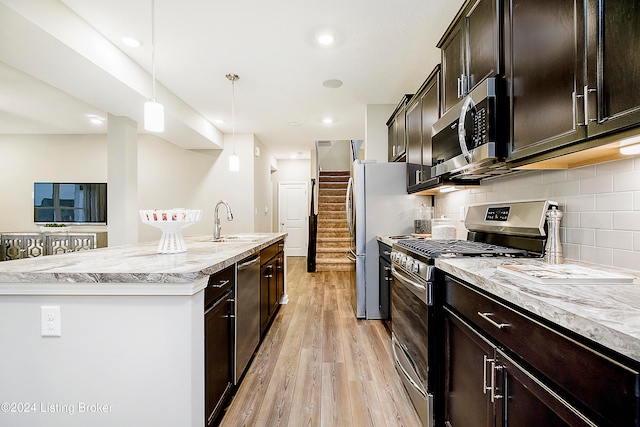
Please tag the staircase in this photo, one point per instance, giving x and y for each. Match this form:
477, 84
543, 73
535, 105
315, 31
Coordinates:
333, 233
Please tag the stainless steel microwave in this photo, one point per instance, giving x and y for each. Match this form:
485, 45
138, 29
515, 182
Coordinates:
467, 142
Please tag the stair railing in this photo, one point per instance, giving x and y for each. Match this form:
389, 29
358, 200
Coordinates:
313, 232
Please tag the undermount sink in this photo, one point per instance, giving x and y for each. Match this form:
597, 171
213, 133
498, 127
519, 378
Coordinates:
240, 238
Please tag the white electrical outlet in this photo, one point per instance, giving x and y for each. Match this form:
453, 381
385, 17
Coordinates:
50, 321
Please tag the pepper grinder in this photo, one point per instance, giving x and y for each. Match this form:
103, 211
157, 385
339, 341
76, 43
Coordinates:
553, 248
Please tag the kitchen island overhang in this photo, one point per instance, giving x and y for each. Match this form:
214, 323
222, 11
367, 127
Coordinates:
131, 350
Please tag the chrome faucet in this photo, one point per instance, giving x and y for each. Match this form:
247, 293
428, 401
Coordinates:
216, 228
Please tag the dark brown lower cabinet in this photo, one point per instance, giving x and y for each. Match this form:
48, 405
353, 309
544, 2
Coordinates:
266, 280
280, 277
384, 282
503, 366
271, 282
485, 387
219, 331
526, 401
466, 400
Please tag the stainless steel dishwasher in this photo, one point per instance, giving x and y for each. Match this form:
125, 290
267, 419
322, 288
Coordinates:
247, 312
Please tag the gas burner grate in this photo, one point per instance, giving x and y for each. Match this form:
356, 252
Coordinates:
453, 248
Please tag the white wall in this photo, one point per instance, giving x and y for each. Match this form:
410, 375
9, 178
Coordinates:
601, 206
50, 158
337, 157
168, 177
376, 133
263, 216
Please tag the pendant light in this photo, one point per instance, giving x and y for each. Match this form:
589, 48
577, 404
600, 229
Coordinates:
153, 110
234, 160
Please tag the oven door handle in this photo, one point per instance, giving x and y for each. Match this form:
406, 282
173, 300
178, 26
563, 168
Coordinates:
415, 287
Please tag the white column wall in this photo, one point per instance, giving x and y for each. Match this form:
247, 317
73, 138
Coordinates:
122, 179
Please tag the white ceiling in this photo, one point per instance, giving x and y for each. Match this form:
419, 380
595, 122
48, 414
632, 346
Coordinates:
55, 69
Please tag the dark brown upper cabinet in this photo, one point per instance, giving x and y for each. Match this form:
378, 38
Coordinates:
545, 74
471, 49
573, 73
422, 112
396, 126
613, 65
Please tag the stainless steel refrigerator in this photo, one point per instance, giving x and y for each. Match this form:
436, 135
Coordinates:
377, 204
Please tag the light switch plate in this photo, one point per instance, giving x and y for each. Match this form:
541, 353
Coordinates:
50, 321
257, 151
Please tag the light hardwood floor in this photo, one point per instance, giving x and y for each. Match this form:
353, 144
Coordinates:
320, 366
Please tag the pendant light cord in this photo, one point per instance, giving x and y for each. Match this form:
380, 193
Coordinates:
233, 112
153, 49
233, 78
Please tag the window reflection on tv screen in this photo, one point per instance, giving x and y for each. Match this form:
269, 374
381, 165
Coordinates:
70, 203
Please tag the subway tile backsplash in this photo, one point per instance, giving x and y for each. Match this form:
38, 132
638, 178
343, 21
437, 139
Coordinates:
601, 205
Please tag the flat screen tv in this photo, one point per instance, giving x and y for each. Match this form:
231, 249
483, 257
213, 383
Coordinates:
70, 203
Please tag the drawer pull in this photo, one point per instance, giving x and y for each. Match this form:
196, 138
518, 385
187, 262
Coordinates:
486, 317
221, 284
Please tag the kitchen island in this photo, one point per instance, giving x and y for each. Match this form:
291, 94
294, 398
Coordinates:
130, 349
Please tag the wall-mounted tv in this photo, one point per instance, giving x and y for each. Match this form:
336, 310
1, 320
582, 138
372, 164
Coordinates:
70, 203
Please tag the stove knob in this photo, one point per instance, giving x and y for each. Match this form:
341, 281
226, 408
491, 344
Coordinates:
415, 267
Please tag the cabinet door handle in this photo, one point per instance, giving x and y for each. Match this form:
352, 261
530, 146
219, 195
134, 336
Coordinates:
494, 368
587, 91
459, 87
575, 109
386, 253
485, 359
486, 317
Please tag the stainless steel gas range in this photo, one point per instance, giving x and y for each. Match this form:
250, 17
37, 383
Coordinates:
515, 229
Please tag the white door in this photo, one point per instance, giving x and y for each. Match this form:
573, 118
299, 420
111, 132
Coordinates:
293, 212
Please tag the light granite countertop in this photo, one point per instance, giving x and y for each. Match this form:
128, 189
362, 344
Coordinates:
136, 263
608, 314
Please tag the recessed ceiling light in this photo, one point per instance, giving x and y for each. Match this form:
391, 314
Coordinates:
294, 124
326, 39
327, 120
332, 84
219, 121
293, 156
132, 41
